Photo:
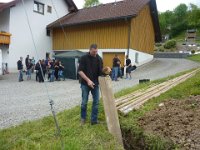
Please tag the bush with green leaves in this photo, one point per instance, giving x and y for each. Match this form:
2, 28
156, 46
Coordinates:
170, 44
193, 51
158, 44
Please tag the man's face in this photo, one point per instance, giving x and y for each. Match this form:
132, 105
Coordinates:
93, 52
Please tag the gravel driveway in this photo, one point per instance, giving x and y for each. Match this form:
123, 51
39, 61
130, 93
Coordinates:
28, 100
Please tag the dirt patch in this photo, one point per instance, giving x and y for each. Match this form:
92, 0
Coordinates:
177, 121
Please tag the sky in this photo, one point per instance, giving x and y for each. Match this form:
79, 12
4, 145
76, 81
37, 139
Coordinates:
162, 5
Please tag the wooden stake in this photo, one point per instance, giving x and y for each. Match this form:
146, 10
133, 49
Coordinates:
110, 108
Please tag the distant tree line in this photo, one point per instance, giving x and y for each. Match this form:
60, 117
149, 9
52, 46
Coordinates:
91, 3
183, 17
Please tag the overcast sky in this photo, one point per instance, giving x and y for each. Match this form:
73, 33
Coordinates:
162, 5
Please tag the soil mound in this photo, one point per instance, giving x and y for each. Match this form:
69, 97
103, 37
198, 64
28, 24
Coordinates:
177, 121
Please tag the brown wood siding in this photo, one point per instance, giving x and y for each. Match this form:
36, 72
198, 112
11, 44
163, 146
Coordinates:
106, 35
142, 32
108, 58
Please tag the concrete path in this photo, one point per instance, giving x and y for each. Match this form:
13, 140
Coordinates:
28, 100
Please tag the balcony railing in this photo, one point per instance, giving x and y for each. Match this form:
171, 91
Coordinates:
5, 38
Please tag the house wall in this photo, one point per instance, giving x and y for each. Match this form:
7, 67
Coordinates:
4, 26
111, 37
107, 34
21, 40
142, 32
137, 57
4, 21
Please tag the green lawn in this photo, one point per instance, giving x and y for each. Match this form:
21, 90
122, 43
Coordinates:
195, 58
40, 134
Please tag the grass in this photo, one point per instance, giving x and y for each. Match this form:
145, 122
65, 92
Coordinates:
40, 134
194, 58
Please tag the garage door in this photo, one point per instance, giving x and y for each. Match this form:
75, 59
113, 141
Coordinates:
108, 58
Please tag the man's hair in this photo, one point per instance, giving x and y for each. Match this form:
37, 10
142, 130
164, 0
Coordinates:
93, 46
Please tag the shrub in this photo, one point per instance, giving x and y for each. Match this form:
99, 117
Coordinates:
158, 44
170, 44
161, 49
192, 51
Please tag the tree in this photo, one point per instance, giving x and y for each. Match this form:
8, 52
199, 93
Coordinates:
165, 20
194, 16
181, 18
91, 3
180, 12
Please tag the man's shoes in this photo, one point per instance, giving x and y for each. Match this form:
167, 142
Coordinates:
83, 121
94, 123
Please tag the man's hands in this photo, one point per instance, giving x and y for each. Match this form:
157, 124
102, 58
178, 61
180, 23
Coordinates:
90, 84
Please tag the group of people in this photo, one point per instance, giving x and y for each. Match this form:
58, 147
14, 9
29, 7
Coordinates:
30, 65
53, 68
90, 68
118, 69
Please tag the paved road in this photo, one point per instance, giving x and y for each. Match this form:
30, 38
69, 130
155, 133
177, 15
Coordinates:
28, 100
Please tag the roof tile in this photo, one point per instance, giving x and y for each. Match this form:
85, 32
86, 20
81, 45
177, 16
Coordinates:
102, 12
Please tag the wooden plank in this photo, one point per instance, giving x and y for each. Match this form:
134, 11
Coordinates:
129, 99
110, 108
141, 100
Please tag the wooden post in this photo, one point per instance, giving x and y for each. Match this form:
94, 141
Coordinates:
110, 108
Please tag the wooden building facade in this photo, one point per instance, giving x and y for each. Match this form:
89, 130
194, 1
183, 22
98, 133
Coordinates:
118, 34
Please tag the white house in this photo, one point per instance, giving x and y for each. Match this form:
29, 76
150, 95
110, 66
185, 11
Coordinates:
15, 35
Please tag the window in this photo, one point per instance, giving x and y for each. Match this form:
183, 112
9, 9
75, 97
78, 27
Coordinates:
48, 32
49, 9
38, 7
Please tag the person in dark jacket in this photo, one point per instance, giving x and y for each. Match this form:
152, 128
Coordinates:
26, 61
37, 67
29, 68
56, 67
60, 71
41, 67
20, 68
116, 67
52, 70
90, 68
128, 67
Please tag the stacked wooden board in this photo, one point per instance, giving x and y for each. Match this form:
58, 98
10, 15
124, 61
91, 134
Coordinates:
136, 99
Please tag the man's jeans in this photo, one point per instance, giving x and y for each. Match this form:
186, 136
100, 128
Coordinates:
28, 74
115, 71
20, 75
95, 95
52, 75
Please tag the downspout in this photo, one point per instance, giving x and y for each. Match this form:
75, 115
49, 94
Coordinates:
129, 35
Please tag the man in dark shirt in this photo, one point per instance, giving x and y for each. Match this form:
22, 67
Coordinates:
26, 61
128, 67
116, 67
20, 68
90, 68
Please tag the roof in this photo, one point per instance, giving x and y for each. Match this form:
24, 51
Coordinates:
71, 5
7, 5
110, 11
70, 54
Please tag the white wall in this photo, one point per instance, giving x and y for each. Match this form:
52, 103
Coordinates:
142, 57
4, 26
4, 20
21, 40
1, 71
5, 54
